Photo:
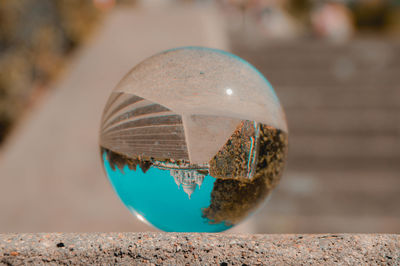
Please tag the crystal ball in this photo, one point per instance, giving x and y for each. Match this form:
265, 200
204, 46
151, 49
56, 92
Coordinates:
193, 140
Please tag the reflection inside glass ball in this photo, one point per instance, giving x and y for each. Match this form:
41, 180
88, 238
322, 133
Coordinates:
193, 140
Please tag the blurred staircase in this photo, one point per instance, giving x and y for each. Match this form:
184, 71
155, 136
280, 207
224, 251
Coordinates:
343, 108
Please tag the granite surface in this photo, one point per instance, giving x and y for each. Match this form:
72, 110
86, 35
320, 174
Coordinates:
199, 249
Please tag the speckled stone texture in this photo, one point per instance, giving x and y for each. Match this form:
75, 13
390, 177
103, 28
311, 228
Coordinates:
199, 249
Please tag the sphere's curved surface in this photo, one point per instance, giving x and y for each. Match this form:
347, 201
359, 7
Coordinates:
193, 140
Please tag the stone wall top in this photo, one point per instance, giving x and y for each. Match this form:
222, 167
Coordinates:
198, 249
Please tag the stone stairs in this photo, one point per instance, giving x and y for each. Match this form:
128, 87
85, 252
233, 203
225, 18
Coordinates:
343, 109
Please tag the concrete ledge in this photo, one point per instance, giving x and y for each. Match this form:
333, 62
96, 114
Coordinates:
204, 249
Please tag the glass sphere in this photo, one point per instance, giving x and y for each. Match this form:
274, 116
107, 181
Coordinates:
193, 140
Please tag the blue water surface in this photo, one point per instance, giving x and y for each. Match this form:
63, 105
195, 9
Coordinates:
155, 196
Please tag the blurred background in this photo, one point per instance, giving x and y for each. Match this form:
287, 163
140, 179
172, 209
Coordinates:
335, 66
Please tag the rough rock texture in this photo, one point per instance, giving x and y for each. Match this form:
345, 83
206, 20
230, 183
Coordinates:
198, 249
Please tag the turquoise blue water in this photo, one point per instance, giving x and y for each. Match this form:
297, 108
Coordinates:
155, 196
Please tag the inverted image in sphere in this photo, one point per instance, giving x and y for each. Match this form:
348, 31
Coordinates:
193, 140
